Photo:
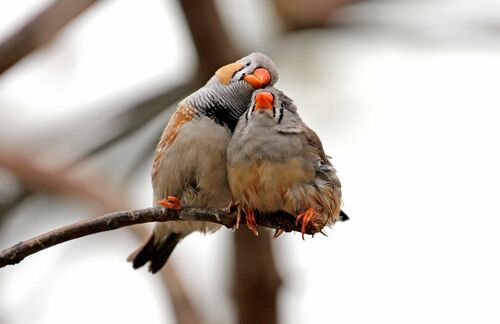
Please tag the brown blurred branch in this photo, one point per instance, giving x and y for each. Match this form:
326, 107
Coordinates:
256, 280
141, 113
213, 46
214, 49
304, 14
184, 310
36, 177
108, 222
17, 199
40, 30
133, 118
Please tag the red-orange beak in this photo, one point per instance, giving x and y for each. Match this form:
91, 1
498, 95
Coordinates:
259, 78
264, 100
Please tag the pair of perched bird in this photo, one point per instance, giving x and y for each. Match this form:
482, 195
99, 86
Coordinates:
239, 139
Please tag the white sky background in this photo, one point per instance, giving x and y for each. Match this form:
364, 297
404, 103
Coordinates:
407, 105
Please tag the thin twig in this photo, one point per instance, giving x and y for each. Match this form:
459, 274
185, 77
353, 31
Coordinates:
108, 222
40, 30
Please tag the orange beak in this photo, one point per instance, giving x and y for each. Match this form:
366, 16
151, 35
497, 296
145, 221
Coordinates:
259, 78
264, 100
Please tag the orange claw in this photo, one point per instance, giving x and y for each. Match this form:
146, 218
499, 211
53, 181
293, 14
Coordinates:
252, 225
171, 202
305, 217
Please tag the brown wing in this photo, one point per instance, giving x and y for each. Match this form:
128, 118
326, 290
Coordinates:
328, 184
315, 144
181, 116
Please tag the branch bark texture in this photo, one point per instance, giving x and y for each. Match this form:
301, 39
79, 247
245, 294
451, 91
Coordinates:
108, 222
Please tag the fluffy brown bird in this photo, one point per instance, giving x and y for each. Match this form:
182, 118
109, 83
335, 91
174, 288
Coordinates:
189, 166
276, 162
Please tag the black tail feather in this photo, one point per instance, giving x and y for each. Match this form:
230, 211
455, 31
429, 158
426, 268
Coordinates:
343, 216
156, 253
160, 257
143, 254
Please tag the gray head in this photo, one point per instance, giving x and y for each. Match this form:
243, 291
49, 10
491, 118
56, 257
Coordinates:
227, 94
256, 69
270, 106
260, 132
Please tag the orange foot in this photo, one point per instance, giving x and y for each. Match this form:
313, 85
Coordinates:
252, 225
305, 217
171, 202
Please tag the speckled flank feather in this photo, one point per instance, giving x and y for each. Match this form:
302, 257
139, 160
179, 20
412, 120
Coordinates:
278, 163
180, 117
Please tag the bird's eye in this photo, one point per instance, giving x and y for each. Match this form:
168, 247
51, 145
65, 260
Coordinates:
248, 64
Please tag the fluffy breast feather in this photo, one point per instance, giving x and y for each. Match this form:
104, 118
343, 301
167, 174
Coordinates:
271, 170
270, 186
192, 167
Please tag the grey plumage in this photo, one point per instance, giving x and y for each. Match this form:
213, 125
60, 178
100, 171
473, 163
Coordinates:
276, 162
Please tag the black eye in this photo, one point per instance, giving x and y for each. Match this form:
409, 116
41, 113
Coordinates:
248, 64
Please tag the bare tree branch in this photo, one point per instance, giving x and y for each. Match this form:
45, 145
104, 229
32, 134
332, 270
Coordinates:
112, 221
62, 183
40, 30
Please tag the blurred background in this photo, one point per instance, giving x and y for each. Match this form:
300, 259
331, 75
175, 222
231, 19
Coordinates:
404, 95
